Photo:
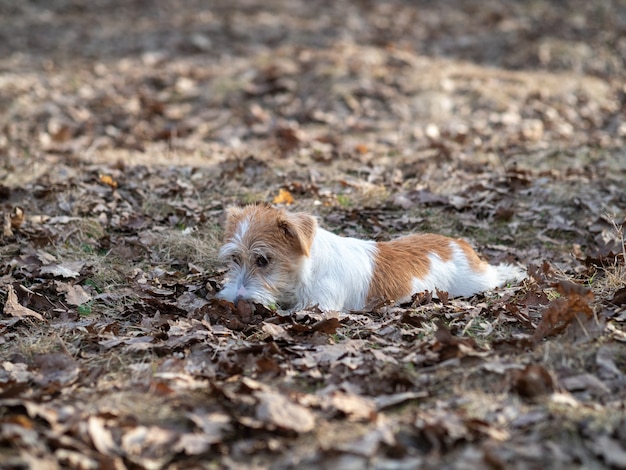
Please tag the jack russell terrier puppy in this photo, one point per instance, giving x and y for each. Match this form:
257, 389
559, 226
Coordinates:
283, 259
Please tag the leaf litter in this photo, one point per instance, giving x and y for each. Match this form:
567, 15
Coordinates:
503, 123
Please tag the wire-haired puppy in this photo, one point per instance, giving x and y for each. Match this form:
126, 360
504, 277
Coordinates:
285, 259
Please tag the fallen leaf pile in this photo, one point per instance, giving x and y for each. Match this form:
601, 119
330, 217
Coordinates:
122, 145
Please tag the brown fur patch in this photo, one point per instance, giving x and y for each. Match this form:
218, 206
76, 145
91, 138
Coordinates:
399, 261
475, 262
301, 227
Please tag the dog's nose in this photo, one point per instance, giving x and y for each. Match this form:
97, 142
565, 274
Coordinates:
242, 294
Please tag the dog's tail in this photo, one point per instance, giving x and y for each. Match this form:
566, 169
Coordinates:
509, 273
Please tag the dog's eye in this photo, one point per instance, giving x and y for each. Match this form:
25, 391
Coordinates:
262, 261
236, 259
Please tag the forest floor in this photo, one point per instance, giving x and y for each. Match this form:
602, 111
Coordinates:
128, 127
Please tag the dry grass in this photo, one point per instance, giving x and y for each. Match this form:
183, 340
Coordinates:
616, 274
197, 246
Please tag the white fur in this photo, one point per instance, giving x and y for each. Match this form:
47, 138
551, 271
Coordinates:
506, 273
338, 273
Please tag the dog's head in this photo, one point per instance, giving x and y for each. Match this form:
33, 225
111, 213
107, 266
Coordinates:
265, 248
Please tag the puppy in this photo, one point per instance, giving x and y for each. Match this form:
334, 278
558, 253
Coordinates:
283, 259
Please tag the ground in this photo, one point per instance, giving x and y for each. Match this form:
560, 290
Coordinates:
129, 127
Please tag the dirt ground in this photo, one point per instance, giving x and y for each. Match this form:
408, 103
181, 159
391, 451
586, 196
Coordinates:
128, 127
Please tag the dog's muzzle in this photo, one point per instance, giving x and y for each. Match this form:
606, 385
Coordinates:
242, 294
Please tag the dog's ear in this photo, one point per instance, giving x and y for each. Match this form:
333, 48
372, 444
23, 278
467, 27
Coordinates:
299, 227
233, 212
233, 217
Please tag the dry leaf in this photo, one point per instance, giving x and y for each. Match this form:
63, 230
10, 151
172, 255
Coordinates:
355, 407
368, 445
619, 298
612, 451
101, 436
75, 294
562, 311
194, 443
7, 230
386, 401
283, 197
149, 442
277, 410
70, 269
361, 148
532, 382
15, 309
108, 180
17, 217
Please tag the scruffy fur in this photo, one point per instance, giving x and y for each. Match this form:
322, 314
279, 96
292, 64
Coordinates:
285, 259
